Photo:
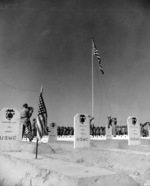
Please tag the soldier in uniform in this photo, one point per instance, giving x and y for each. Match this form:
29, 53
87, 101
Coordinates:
24, 117
114, 123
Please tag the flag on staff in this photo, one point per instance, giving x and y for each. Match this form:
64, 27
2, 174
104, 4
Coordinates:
42, 117
28, 134
96, 53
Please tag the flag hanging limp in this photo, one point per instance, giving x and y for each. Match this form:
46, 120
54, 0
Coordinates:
42, 117
96, 53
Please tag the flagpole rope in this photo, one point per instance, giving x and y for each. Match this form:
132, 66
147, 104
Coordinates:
101, 80
18, 88
95, 52
108, 102
102, 89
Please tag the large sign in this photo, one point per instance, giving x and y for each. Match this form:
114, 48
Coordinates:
52, 132
81, 131
10, 130
134, 137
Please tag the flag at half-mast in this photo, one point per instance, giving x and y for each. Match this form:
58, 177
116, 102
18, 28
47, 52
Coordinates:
96, 53
42, 117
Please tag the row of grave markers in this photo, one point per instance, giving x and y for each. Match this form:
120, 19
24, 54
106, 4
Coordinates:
134, 137
82, 131
11, 130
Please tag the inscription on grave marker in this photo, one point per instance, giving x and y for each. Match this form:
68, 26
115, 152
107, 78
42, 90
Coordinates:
9, 129
108, 132
81, 131
133, 131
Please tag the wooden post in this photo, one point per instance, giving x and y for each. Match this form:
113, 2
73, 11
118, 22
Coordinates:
36, 147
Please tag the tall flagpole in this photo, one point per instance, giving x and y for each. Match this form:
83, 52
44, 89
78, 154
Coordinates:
92, 83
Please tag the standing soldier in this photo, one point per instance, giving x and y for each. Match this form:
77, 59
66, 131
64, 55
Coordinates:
109, 121
25, 115
114, 123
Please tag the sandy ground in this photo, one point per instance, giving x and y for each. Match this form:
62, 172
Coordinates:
59, 164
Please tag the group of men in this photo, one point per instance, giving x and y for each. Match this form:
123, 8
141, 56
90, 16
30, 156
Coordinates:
28, 127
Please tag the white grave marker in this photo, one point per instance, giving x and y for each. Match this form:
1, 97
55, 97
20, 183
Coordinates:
52, 132
81, 131
134, 137
9, 129
108, 132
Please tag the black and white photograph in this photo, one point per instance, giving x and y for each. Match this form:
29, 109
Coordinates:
74, 93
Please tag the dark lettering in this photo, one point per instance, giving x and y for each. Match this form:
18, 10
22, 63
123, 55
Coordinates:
82, 139
14, 137
135, 139
1, 137
7, 137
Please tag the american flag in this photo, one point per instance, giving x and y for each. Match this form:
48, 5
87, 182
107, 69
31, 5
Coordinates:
96, 53
28, 134
42, 117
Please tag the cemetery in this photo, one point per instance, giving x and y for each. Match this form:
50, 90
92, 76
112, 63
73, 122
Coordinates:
91, 58
78, 159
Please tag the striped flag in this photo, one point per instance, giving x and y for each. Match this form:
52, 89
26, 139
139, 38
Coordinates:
96, 53
28, 134
42, 117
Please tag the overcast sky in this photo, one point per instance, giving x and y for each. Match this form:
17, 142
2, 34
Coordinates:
49, 43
